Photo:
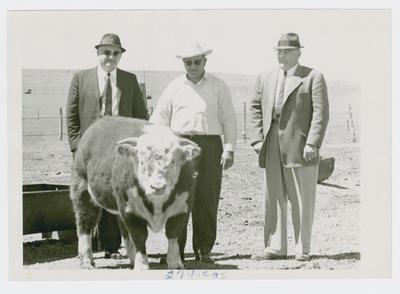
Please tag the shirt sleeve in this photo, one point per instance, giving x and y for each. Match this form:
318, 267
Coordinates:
228, 118
163, 110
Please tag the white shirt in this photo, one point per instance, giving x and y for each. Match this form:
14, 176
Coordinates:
205, 108
116, 93
289, 73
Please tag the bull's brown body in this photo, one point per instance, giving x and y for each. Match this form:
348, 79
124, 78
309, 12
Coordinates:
147, 184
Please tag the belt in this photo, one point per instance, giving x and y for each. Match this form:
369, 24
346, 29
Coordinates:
199, 137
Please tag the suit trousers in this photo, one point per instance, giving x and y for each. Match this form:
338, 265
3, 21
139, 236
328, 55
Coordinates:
109, 234
207, 193
298, 185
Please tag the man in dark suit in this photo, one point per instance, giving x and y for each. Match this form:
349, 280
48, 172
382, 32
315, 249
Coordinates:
289, 115
97, 92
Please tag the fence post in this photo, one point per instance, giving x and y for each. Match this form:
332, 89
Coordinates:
350, 114
354, 131
61, 124
352, 123
244, 121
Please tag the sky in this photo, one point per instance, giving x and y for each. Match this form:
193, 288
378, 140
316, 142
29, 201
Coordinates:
334, 40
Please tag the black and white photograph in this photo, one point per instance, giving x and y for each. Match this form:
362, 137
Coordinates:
199, 144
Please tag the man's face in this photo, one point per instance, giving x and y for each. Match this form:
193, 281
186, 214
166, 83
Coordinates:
288, 57
108, 57
195, 66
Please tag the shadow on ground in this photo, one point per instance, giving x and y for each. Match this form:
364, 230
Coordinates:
339, 256
333, 186
53, 250
47, 251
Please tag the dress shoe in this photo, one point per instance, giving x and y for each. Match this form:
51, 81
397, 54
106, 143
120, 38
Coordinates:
206, 258
107, 254
116, 255
302, 257
267, 256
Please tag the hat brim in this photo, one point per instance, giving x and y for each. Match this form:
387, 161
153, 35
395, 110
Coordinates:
185, 56
112, 45
287, 47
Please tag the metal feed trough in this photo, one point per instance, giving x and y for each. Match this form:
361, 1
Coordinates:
47, 208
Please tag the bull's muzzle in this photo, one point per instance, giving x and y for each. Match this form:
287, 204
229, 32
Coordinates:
159, 187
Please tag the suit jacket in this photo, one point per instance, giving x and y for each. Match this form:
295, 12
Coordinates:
83, 105
304, 117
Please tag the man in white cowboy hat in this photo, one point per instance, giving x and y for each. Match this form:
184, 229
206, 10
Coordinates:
198, 106
103, 91
289, 114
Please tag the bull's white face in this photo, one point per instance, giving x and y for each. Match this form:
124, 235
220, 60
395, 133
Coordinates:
158, 165
157, 159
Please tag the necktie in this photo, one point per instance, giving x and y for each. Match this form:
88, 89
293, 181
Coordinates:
279, 101
108, 106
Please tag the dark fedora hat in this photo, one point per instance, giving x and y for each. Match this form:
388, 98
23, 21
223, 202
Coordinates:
110, 40
289, 41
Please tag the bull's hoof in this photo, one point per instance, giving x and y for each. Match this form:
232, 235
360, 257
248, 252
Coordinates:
87, 264
140, 267
175, 265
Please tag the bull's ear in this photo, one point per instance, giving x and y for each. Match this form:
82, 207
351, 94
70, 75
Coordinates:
190, 149
127, 146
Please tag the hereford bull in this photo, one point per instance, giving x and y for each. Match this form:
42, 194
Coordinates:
142, 173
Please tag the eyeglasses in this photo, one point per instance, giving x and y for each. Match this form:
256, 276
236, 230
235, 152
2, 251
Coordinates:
196, 62
286, 51
108, 52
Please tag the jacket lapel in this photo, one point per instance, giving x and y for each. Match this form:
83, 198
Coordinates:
94, 89
293, 82
120, 90
94, 83
272, 84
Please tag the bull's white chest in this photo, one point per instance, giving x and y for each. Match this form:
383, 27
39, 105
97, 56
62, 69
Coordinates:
156, 220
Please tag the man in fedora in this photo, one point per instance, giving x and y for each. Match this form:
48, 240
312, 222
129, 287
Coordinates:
198, 106
289, 115
103, 91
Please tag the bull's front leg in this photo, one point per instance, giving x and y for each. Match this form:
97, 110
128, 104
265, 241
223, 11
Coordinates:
174, 228
137, 229
129, 246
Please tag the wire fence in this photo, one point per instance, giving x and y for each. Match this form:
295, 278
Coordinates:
47, 158
346, 122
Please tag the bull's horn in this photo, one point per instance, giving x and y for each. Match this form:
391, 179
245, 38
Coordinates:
184, 142
129, 140
191, 149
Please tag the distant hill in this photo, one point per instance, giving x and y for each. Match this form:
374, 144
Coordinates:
55, 82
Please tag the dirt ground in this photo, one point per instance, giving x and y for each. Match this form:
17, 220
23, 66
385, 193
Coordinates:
336, 233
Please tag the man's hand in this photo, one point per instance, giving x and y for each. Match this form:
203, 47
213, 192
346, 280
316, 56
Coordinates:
227, 159
310, 152
257, 147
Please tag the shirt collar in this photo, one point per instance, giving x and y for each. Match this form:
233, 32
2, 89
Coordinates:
102, 73
189, 82
290, 72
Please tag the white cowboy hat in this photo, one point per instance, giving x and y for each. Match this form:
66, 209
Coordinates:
193, 50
